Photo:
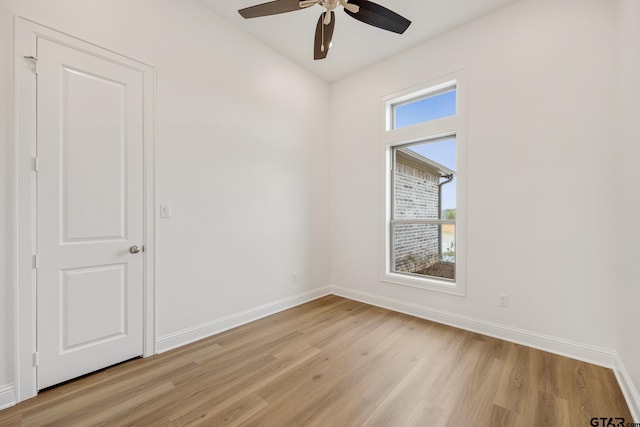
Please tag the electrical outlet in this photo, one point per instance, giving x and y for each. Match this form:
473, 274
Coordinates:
294, 278
503, 300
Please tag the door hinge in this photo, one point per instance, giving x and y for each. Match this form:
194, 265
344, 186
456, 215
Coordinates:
36, 164
36, 261
34, 61
36, 359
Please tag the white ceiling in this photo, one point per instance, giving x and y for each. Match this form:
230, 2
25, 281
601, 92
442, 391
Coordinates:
355, 45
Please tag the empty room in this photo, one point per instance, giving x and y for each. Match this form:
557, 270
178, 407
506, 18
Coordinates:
320, 213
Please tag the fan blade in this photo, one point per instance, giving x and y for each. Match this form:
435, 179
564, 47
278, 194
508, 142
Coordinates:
350, 7
328, 17
324, 35
379, 16
271, 8
309, 3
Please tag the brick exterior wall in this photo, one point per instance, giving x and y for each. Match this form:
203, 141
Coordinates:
416, 246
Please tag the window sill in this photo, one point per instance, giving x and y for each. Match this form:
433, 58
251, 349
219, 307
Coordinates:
428, 284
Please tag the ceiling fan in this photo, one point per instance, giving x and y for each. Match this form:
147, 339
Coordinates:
362, 10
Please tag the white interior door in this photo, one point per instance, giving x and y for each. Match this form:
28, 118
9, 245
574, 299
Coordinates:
89, 212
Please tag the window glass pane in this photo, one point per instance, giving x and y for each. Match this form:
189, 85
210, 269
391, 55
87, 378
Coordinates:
424, 189
425, 249
424, 180
424, 110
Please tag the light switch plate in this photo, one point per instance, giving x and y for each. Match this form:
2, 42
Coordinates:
165, 211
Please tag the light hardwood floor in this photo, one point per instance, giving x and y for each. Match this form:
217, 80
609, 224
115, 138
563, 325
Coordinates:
336, 362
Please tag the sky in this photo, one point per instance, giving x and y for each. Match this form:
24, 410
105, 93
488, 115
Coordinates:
424, 110
441, 151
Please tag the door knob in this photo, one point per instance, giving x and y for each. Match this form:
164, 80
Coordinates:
134, 249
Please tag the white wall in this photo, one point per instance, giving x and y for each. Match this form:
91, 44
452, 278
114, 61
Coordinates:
241, 156
541, 198
629, 208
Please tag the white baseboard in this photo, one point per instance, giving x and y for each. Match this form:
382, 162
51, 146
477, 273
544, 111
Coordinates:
575, 350
629, 389
186, 336
7, 396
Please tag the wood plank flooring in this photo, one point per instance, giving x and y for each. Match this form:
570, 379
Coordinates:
335, 362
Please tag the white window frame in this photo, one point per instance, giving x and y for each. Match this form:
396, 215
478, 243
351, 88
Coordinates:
451, 126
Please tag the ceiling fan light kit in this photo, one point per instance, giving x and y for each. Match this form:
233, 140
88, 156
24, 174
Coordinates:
363, 10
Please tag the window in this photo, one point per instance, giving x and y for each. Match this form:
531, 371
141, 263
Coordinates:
424, 217
425, 109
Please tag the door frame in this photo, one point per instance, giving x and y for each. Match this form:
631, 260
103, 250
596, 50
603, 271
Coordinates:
25, 233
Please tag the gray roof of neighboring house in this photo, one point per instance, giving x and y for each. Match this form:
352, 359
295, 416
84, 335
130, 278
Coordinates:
443, 170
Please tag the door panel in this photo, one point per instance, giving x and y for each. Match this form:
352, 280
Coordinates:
93, 152
88, 294
89, 212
